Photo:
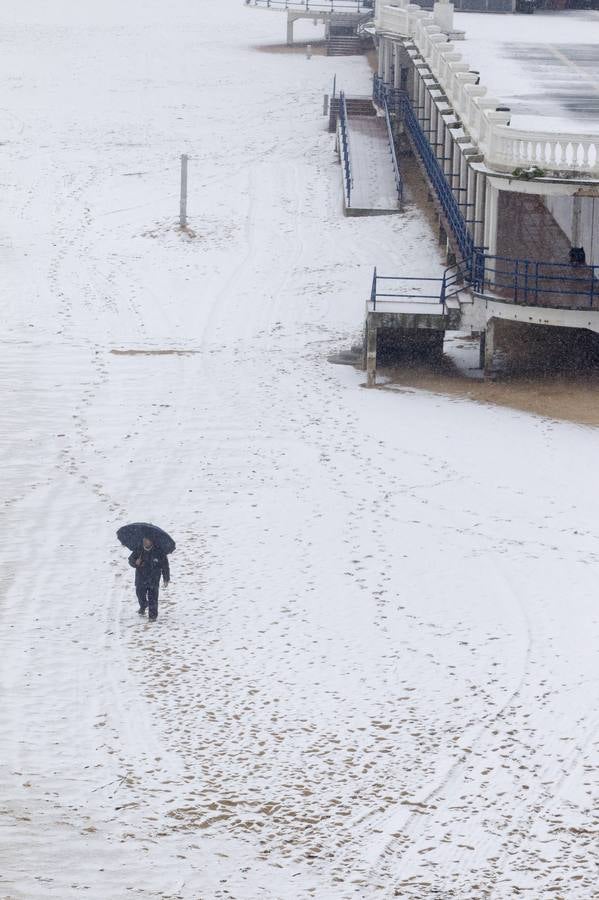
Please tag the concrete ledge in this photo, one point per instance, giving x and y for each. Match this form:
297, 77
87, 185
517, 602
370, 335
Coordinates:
409, 320
482, 309
356, 211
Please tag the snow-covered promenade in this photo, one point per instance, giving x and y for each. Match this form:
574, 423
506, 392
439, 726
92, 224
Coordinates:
375, 672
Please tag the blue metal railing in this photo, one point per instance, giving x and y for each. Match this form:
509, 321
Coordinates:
530, 282
385, 96
526, 282
344, 149
396, 172
380, 91
446, 286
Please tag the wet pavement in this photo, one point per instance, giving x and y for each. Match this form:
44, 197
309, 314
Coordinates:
545, 66
567, 75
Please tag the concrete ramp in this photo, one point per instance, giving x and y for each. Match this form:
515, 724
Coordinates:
374, 188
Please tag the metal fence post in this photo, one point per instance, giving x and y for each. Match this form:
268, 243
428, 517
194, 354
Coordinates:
183, 200
373, 289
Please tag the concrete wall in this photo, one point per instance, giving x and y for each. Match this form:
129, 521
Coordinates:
561, 208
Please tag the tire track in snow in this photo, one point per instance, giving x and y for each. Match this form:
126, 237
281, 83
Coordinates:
390, 857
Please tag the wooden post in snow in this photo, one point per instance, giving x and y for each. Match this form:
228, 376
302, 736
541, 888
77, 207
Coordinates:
183, 203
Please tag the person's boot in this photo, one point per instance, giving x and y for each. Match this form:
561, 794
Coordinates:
142, 610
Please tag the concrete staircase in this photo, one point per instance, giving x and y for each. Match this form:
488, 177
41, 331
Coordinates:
345, 45
356, 106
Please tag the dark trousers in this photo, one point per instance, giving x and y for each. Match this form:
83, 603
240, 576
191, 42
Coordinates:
147, 594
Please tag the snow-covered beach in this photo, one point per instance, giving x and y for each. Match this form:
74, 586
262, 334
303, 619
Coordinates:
375, 672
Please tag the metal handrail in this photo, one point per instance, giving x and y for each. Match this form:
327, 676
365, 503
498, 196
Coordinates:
396, 172
534, 282
384, 94
345, 149
524, 280
375, 294
450, 284
373, 289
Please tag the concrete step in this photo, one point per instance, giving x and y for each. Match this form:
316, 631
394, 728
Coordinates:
343, 51
345, 46
356, 106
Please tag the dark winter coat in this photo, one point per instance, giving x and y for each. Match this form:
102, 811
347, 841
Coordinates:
154, 563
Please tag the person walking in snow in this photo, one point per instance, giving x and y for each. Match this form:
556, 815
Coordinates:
149, 562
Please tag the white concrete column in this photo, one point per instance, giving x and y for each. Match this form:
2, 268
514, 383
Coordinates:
491, 211
576, 219
387, 71
412, 84
289, 28
396, 65
427, 117
381, 49
462, 193
439, 137
479, 209
448, 154
488, 347
420, 97
470, 199
434, 116
455, 169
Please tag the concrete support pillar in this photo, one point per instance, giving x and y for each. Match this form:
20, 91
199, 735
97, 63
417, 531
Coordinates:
387, 69
479, 209
491, 211
434, 117
420, 97
448, 154
289, 29
577, 251
405, 81
440, 135
411, 85
462, 193
450, 259
487, 347
428, 117
396, 66
455, 169
371, 341
442, 234
381, 48
576, 217
470, 199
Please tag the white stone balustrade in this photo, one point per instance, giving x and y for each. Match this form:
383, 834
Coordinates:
508, 148
504, 147
459, 98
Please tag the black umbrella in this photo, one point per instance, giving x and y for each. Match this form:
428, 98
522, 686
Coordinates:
132, 536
